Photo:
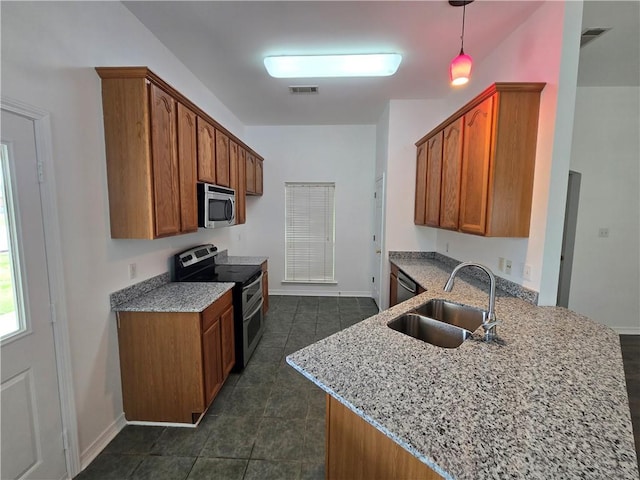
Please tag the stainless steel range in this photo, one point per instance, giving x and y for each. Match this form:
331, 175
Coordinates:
198, 265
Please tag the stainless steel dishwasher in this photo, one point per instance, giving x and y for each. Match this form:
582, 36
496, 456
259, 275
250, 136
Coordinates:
407, 288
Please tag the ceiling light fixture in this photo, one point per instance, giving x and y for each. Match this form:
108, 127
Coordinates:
305, 66
460, 68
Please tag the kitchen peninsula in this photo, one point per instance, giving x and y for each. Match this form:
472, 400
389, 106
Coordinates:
547, 400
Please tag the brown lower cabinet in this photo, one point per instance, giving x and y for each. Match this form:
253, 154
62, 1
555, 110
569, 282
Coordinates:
173, 364
358, 451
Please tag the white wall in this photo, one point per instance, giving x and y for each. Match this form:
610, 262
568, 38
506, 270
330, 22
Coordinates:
606, 151
532, 53
344, 154
49, 51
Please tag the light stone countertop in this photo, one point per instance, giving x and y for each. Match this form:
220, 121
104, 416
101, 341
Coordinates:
546, 401
239, 260
177, 297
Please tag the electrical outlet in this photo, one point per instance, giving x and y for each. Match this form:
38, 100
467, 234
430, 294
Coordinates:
133, 271
501, 264
603, 232
507, 267
526, 273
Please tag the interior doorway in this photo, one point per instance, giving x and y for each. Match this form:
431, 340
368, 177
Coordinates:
568, 238
378, 196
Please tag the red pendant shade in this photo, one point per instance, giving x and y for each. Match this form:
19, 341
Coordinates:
460, 69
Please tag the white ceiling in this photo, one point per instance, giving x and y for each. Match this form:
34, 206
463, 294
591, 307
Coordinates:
224, 42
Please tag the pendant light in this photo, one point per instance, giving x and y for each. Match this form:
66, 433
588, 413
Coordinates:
460, 68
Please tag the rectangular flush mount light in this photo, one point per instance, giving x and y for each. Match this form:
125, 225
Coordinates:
303, 66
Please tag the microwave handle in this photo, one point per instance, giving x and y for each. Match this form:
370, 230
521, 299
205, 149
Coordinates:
228, 210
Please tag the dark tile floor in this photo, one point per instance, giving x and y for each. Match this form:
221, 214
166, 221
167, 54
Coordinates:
631, 357
266, 423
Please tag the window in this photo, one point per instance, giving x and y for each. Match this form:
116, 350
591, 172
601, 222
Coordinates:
309, 232
12, 321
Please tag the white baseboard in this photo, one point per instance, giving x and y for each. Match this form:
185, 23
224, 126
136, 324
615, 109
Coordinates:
317, 293
627, 330
99, 444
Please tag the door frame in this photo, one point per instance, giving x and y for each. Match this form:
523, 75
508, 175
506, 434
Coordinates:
55, 273
380, 267
568, 238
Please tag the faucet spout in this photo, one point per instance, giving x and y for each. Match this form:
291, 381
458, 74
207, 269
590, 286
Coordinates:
490, 323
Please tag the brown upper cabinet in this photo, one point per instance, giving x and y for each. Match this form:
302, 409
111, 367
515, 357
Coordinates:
451, 168
421, 184
258, 190
237, 178
250, 174
222, 159
241, 194
158, 146
434, 177
187, 162
253, 174
206, 152
478, 165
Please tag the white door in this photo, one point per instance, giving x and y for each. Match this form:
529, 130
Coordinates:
377, 242
31, 432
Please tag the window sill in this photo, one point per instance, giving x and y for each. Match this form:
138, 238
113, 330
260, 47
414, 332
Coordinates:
303, 282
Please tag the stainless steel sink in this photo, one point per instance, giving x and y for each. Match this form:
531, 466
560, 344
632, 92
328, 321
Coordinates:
429, 330
463, 316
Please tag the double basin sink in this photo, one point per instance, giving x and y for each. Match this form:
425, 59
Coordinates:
440, 323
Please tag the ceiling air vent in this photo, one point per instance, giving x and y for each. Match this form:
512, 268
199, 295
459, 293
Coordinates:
303, 89
590, 34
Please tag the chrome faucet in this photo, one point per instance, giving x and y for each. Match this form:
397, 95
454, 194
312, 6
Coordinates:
490, 323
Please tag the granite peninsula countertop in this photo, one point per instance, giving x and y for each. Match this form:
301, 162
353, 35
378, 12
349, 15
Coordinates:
177, 297
546, 401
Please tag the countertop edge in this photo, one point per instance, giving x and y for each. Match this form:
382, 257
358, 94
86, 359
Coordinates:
420, 456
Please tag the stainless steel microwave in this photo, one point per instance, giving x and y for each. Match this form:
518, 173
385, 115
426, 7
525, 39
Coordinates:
216, 206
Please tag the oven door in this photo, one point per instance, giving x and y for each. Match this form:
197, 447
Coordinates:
252, 329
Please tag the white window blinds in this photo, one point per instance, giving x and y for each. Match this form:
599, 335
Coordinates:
309, 232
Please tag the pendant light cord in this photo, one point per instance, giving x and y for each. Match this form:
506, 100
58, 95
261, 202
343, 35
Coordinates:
464, 6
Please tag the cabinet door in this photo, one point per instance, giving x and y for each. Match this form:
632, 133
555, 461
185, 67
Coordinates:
475, 167
250, 173
258, 176
166, 193
233, 166
206, 152
241, 209
187, 160
227, 342
451, 167
222, 159
212, 358
434, 177
421, 185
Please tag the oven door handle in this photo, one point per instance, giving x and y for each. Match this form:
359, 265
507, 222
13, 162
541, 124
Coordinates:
259, 279
256, 309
